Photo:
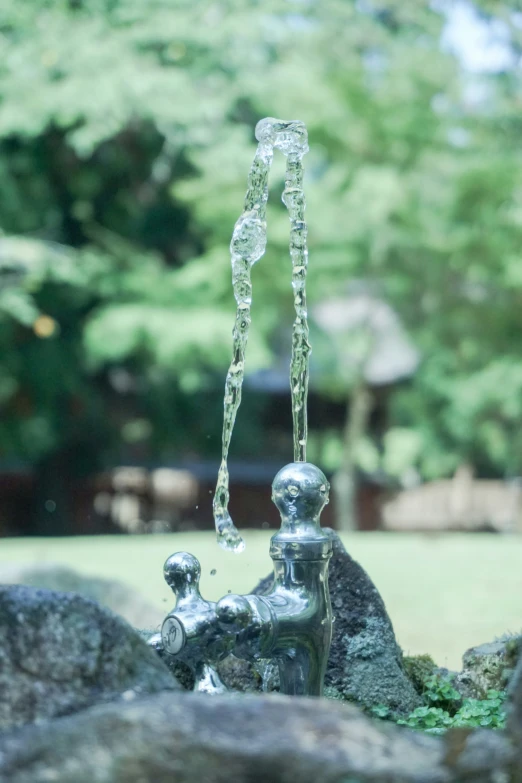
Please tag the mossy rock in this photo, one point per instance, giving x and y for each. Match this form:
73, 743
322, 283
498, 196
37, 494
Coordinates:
489, 666
61, 653
419, 668
365, 664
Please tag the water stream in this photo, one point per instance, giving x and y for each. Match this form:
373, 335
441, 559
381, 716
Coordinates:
294, 200
248, 246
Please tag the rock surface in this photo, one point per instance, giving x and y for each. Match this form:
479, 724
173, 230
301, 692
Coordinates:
108, 592
479, 756
60, 652
365, 663
192, 738
239, 675
488, 667
514, 722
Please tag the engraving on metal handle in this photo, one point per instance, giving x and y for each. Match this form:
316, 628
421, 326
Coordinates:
173, 635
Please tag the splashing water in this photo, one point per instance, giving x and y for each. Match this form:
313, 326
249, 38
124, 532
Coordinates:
247, 246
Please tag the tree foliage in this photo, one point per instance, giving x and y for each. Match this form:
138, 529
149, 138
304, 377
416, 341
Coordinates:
126, 133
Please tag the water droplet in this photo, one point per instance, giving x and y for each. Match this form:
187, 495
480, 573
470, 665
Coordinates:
265, 525
50, 506
249, 237
213, 572
293, 490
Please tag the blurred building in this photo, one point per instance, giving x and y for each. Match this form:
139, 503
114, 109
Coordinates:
462, 503
356, 335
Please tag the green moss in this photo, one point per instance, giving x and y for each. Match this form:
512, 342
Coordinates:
419, 668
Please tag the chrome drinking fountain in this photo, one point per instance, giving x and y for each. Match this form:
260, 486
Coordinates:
292, 624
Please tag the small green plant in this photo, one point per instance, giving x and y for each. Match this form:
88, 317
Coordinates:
434, 720
483, 712
381, 711
472, 713
445, 708
440, 692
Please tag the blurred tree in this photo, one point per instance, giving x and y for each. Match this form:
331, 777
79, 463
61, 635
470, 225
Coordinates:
125, 138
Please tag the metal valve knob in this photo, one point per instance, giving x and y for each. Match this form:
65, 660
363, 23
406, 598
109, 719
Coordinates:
234, 613
191, 632
192, 613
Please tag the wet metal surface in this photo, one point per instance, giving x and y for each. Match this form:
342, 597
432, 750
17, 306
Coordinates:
291, 625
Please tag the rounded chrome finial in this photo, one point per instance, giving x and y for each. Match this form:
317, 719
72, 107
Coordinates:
234, 613
300, 490
181, 570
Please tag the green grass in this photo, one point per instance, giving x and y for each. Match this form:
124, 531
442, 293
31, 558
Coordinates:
444, 593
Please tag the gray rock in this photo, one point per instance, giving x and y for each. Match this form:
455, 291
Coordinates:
365, 663
108, 592
479, 756
239, 738
60, 652
514, 721
488, 667
239, 675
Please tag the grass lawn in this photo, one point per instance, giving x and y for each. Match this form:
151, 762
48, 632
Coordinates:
444, 593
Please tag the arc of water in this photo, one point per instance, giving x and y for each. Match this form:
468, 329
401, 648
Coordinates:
248, 246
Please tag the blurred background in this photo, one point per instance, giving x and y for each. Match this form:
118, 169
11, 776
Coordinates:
126, 135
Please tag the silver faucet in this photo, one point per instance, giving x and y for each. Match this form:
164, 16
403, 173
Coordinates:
292, 625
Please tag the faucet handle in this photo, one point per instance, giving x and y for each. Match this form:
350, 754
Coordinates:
190, 632
182, 573
251, 621
234, 614
193, 619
